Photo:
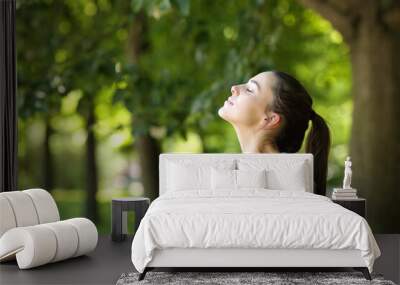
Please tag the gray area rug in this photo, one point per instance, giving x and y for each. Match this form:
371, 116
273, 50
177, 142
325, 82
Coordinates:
225, 278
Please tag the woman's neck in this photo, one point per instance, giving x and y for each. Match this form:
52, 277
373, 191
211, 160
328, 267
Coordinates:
254, 141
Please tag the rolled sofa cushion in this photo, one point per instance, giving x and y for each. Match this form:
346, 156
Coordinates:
45, 206
26, 208
87, 235
7, 218
66, 238
40, 244
24, 211
32, 246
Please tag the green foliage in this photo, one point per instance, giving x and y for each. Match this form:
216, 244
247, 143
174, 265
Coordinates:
226, 42
161, 6
75, 53
74, 46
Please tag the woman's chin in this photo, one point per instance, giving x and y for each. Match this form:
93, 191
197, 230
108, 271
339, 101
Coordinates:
224, 114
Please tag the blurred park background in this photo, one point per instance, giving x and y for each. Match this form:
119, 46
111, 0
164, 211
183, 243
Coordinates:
105, 86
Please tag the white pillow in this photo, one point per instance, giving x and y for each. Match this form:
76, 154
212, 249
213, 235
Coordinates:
183, 178
223, 179
251, 178
281, 174
293, 180
229, 179
193, 175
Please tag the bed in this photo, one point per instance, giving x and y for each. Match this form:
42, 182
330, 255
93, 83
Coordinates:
247, 210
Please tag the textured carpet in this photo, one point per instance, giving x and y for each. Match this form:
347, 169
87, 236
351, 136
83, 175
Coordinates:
225, 278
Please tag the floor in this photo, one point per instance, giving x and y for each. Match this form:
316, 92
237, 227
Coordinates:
389, 262
111, 259
103, 266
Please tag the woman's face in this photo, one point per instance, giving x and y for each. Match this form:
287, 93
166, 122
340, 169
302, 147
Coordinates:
246, 106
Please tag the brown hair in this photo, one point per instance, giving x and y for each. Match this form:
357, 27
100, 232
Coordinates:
292, 101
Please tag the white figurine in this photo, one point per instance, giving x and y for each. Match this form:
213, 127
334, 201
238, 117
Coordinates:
347, 174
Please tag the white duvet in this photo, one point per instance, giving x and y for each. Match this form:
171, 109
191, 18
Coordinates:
253, 218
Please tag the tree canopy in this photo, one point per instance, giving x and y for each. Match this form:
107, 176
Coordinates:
74, 54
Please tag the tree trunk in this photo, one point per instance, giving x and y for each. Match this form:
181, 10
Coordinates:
91, 166
375, 138
148, 150
147, 147
372, 30
48, 173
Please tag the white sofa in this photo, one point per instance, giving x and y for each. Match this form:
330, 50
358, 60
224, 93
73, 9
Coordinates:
31, 231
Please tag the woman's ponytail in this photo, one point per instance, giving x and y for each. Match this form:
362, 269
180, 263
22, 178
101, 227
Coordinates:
319, 143
292, 101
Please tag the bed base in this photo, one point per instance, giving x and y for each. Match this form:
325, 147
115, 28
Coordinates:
364, 270
244, 259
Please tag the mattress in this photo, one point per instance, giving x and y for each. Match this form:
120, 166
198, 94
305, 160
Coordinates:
251, 219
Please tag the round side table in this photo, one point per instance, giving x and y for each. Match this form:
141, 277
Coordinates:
120, 207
